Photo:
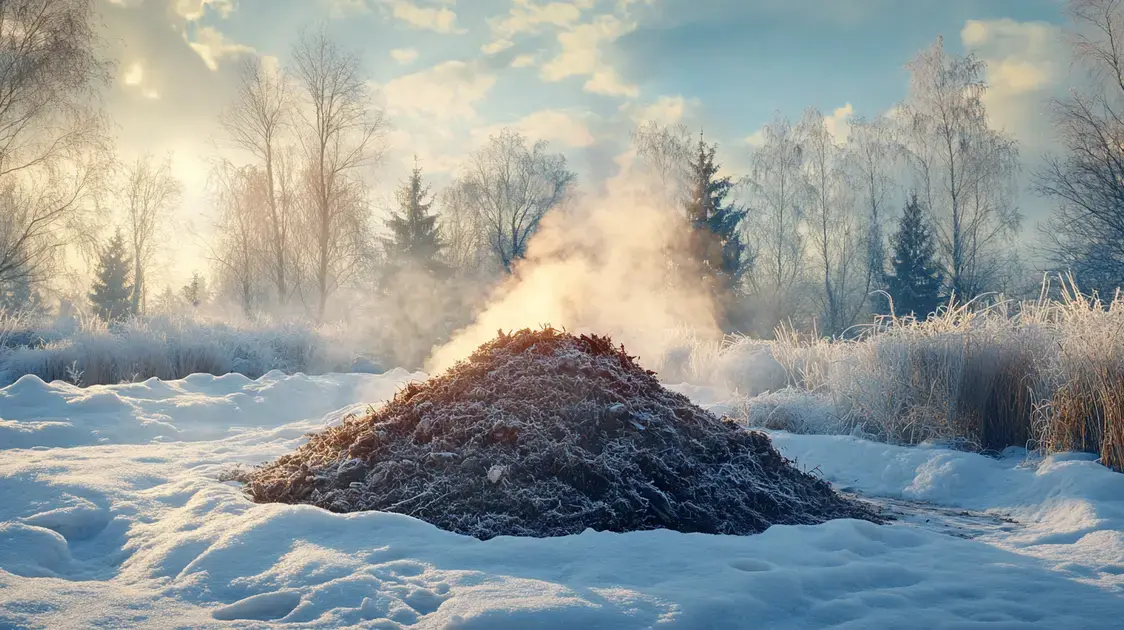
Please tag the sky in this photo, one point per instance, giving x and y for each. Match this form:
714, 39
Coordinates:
578, 74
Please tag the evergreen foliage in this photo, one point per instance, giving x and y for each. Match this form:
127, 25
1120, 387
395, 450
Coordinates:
915, 283
112, 291
414, 240
715, 242
414, 281
195, 291
20, 295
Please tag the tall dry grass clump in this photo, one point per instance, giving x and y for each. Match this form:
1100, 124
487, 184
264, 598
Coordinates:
966, 377
1086, 409
1046, 374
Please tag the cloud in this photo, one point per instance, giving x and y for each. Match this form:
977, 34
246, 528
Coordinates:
134, 74
523, 61
665, 110
529, 17
497, 46
580, 41
404, 55
1026, 64
563, 127
194, 10
581, 55
339, 9
437, 152
838, 122
606, 81
438, 19
212, 46
133, 77
756, 139
445, 91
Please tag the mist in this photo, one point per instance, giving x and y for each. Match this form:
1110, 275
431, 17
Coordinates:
608, 265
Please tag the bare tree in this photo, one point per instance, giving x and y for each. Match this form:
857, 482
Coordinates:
53, 146
257, 121
776, 189
663, 155
1086, 233
149, 192
835, 234
240, 196
871, 147
513, 187
964, 171
462, 230
340, 134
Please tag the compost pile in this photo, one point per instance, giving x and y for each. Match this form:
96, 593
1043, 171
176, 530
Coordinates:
543, 433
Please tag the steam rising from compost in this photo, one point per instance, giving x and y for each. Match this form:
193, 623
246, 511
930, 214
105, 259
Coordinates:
613, 266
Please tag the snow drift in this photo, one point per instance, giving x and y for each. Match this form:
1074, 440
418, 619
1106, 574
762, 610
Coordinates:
133, 529
541, 433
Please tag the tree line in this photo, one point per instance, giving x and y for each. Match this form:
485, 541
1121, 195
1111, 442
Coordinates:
907, 210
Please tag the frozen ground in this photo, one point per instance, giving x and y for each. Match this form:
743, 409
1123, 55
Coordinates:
112, 515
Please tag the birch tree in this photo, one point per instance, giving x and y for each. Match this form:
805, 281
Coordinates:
54, 150
964, 171
776, 188
462, 230
237, 250
1085, 235
258, 121
513, 186
663, 155
341, 134
872, 149
149, 193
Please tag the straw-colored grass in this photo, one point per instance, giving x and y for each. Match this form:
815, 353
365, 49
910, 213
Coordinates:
1045, 374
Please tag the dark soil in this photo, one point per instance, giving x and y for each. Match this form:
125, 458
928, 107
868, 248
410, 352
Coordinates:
542, 433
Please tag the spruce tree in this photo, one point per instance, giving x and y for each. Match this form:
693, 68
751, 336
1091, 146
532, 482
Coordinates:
413, 278
195, 292
915, 283
715, 241
414, 240
20, 295
112, 292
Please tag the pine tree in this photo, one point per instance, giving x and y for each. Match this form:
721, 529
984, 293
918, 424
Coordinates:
414, 239
915, 284
20, 296
715, 241
112, 292
195, 292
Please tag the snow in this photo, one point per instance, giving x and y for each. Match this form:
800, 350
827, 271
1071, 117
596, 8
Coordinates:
113, 515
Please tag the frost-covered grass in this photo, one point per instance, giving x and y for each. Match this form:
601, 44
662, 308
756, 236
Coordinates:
87, 351
1047, 374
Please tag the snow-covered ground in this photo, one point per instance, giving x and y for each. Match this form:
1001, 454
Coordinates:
112, 515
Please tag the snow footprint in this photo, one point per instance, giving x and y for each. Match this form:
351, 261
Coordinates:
751, 565
424, 601
79, 521
262, 607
